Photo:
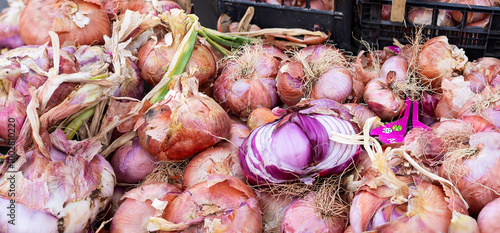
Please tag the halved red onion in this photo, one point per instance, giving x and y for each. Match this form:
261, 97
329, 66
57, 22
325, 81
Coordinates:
249, 81
303, 216
64, 192
297, 147
220, 204
140, 205
131, 163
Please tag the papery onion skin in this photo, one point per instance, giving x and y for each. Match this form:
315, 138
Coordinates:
471, 16
115, 8
239, 132
360, 113
185, 123
424, 16
382, 100
482, 72
485, 104
41, 16
302, 134
488, 217
63, 193
136, 210
302, 216
334, 84
430, 211
9, 25
273, 209
234, 206
476, 175
249, 81
155, 56
215, 160
131, 163
438, 59
289, 82
455, 94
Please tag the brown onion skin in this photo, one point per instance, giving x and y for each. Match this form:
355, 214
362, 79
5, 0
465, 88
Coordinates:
41, 16
259, 117
487, 220
182, 125
215, 160
289, 82
240, 92
236, 202
481, 72
438, 59
155, 56
302, 216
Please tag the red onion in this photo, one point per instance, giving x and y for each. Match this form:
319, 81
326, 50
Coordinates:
303, 216
482, 72
316, 4
488, 217
185, 123
424, 16
220, 204
429, 208
115, 8
428, 108
131, 163
9, 25
471, 16
386, 12
302, 134
142, 204
381, 99
259, 117
215, 160
239, 132
438, 59
63, 192
249, 81
273, 209
485, 104
360, 113
475, 170
316, 72
155, 56
80, 22
456, 93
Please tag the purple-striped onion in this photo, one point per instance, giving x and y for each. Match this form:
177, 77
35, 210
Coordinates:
131, 163
297, 147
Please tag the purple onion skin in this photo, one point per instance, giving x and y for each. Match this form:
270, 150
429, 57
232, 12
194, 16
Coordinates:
297, 147
488, 217
131, 163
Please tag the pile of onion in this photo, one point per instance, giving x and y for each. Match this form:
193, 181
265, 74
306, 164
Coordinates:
297, 146
59, 188
185, 123
315, 72
248, 80
82, 22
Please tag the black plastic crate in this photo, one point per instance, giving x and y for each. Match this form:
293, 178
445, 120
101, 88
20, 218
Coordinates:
338, 22
477, 42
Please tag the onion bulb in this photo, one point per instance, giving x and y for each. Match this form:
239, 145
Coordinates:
381, 98
488, 217
248, 81
60, 193
316, 72
80, 22
273, 209
155, 56
456, 93
424, 16
429, 208
482, 72
141, 204
220, 204
485, 104
9, 25
259, 117
438, 59
297, 146
131, 163
471, 16
474, 169
360, 113
185, 123
303, 215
